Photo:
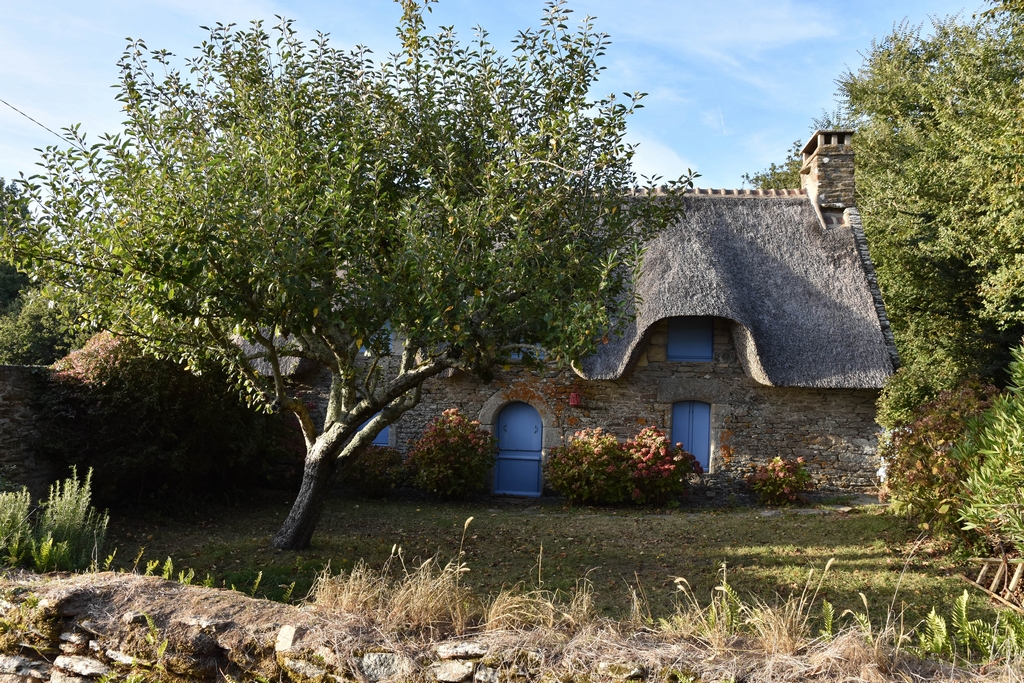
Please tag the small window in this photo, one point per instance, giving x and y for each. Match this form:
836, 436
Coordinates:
383, 437
691, 338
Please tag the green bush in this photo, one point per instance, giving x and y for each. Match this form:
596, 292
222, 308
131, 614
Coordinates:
658, 468
453, 457
780, 482
33, 332
15, 526
992, 457
378, 470
922, 475
68, 533
149, 428
593, 468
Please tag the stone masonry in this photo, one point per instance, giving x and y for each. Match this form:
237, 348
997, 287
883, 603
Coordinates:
833, 429
20, 388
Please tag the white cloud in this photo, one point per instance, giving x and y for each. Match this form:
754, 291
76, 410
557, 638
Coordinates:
654, 157
726, 32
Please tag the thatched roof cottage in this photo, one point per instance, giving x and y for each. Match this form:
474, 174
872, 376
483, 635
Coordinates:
762, 332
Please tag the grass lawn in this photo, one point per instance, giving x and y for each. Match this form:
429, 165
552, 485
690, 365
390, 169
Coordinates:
615, 548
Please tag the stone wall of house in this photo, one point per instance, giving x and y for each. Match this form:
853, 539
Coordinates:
833, 429
20, 424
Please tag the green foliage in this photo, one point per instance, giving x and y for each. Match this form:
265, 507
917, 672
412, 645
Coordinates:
453, 457
306, 200
376, 472
592, 468
993, 456
34, 332
15, 526
69, 531
780, 482
939, 185
657, 468
924, 475
971, 639
148, 428
784, 176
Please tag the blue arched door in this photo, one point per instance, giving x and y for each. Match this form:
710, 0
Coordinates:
520, 439
691, 426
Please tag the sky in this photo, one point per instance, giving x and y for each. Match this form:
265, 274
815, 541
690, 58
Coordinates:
731, 84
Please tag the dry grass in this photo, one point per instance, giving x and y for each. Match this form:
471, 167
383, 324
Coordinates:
428, 599
728, 637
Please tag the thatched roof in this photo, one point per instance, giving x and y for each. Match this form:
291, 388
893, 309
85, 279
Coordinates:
803, 298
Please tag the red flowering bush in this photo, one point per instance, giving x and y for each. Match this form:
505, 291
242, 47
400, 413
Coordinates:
658, 469
780, 482
453, 457
378, 470
593, 468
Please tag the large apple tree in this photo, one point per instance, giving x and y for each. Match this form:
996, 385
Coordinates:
276, 200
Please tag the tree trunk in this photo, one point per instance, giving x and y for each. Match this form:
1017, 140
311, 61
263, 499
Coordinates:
317, 476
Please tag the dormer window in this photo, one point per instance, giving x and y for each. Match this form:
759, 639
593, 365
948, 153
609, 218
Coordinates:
691, 339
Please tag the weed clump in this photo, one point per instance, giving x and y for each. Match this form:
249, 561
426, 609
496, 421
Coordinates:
67, 533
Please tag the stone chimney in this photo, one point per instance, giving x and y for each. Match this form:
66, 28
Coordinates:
827, 173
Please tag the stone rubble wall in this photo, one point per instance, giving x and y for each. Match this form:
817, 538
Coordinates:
834, 430
20, 425
95, 628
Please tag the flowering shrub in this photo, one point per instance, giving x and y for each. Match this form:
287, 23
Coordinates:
923, 476
378, 470
453, 457
593, 468
658, 469
780, 482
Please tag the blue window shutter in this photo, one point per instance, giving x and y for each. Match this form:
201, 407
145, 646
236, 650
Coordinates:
691, 426
691, 338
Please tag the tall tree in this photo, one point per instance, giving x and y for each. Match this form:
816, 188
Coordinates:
279, 201
939, 182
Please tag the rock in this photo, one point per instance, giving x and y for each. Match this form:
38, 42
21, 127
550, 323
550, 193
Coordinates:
73, 637
91, 627
82, 666
133, 618
12, 664
386, 666
285, 638
204, 624
469, 650
485, 674
304, 668
61, 677
126, 659
770, 513
452, 671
